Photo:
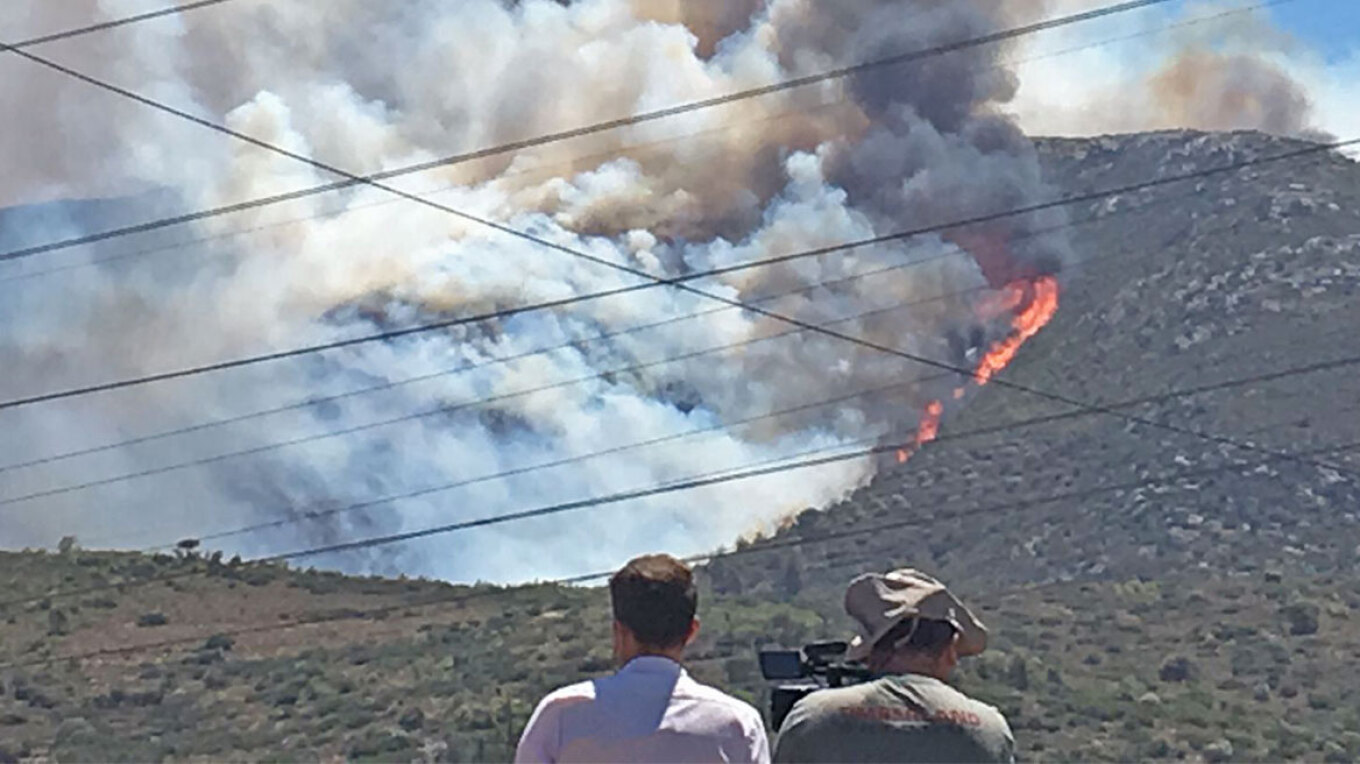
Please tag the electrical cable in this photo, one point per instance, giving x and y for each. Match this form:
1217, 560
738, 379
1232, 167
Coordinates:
515, 146
382, 203
632, 148
445, 409
1054, 398
1049, 396
1004, 507
636, 272
682, 285
769, 466
111, 24
951, 251
695, 291
948, 252
1312, 368
678, 281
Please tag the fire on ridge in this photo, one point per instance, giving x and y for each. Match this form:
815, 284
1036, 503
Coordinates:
1040, 300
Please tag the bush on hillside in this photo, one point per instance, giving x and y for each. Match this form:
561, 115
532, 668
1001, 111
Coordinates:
1301, 618
146, 620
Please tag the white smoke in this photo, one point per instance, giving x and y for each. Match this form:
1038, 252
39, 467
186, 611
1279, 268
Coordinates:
375, 86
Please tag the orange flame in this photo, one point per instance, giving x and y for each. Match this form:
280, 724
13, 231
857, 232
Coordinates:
1026, 324
929, 429
926, 431
1042, 305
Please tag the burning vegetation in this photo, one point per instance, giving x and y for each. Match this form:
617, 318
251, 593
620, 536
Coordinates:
1033, 304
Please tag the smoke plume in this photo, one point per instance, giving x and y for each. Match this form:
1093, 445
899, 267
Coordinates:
374, 86
1207, 66
1216, 91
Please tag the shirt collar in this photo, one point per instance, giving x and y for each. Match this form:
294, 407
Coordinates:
652, 664
909, 678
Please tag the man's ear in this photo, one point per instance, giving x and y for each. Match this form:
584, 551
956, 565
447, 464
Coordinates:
693, 631
951, 652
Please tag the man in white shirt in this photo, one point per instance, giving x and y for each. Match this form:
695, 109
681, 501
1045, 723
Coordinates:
650, 710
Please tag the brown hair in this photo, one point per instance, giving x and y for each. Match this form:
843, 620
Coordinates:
654, 597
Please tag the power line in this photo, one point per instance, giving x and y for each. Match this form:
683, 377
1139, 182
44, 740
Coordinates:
769, 466
1049, 396
1144, 3
577, 253
310, 402
950, 252
524, 235
684, 485
1196, 21
451, 408
515, 146
1312, 368
679, 284
454, 407
574, 343
537, 169
673, 282
317, 515
1006, 507
670, 281
111, 24
318, 401
601, 261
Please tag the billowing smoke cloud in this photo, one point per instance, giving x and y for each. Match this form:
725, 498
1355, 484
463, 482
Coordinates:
374, 86
1216, 91
1204, 66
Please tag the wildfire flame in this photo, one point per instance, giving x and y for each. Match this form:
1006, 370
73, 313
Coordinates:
1042, 296
929, 428
1036, 315
926, 431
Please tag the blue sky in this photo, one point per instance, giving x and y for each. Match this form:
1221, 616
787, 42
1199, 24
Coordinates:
1331, 26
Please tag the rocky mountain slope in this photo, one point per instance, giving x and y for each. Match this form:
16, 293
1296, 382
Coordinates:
1220, 280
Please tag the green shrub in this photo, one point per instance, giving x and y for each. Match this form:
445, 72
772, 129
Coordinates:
1301, 618
412, 719
219, 642
147, 620
382, 746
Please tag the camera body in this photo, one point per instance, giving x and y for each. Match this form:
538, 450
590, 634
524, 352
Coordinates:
799, 672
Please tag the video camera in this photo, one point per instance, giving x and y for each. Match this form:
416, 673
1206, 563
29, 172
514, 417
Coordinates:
814, 667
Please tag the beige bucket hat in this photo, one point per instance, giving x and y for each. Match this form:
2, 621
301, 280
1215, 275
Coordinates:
880, 601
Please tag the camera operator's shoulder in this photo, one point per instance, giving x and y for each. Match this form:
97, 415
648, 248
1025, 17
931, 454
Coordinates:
841, 696
829, 704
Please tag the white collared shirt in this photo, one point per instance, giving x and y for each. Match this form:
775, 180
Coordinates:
649, 711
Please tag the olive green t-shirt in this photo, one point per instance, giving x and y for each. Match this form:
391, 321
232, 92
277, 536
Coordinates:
907, 718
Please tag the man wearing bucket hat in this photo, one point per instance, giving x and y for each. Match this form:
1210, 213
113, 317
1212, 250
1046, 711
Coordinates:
913, 631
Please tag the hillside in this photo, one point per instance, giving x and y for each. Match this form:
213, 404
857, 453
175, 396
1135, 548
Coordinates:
1192, 665
1153, 594
1238, 276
